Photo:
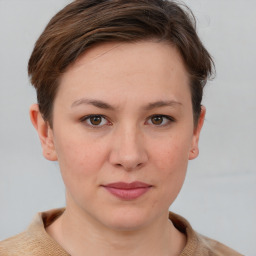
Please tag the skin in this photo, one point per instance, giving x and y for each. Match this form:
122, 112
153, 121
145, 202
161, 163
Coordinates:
127, 84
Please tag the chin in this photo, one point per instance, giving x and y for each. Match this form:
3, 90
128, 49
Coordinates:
128, 219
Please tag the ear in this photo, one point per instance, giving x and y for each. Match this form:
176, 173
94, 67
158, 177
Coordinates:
194, 150
45, 133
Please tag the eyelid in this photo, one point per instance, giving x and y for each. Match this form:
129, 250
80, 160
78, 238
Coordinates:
85, 118
169, 118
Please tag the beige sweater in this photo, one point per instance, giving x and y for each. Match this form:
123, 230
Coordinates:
36, 242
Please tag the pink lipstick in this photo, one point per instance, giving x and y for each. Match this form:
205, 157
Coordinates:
127, 191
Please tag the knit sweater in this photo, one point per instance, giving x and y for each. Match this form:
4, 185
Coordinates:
36, 242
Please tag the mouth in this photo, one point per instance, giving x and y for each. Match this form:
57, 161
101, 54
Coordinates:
128, 191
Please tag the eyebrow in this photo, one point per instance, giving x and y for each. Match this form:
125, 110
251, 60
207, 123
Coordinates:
104, 105
96, 103
161, 103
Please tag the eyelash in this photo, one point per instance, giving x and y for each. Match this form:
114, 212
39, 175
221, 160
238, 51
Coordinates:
170, 119
86, 118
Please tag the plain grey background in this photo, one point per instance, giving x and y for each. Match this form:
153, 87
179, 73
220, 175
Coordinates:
218, 196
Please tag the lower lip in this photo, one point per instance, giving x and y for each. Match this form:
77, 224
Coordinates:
127, 194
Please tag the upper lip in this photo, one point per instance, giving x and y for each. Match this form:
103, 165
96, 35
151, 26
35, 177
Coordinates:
125, 185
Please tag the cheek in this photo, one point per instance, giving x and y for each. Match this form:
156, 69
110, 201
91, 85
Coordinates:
173, 166
78, 162
172, 154
171, 160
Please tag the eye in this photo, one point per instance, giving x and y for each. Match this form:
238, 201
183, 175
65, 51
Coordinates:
95, 120
160, 120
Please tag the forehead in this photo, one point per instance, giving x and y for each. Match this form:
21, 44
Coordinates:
160, 53
112, 68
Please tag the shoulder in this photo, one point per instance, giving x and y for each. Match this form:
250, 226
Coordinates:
214, 248
34, 241
19, 245
30, 244
198, 244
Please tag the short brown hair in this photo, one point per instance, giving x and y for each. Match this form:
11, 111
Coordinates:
84, 23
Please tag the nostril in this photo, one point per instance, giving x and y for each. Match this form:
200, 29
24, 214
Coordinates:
129, 167
128, 154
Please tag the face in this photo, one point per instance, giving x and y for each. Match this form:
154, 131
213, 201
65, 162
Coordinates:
123, 133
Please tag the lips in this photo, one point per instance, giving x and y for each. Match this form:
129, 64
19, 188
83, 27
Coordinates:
128, 191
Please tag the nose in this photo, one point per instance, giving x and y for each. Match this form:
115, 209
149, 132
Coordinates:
128, 149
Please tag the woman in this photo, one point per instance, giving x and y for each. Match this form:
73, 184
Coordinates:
119, 87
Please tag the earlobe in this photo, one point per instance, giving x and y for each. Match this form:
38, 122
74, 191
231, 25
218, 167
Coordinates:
45, 133
194, 151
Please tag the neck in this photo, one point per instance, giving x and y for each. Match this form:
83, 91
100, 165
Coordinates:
82, 236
